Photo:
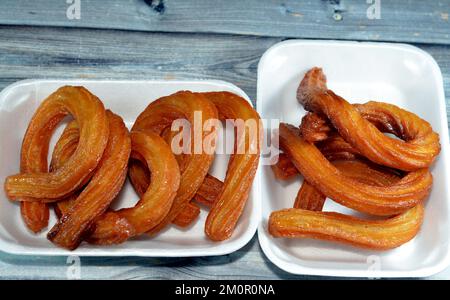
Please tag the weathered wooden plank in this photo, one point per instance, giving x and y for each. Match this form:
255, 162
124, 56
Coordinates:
247, 263
58, 53
30, 52
442, 56
400, 21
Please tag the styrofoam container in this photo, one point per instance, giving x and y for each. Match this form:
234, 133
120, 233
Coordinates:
18, 103
399, 74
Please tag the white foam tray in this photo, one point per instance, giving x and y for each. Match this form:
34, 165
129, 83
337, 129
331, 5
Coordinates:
398, 74
126, 98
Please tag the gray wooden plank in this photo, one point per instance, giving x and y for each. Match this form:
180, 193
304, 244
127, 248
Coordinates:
413, 21
30, 52
247, 263
57, 53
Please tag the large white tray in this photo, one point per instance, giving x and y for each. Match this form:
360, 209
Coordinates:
398, 74
126, 98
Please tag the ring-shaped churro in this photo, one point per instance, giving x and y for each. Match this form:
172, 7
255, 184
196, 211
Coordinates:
117, 226
228, 207
64, 148
90, 114
319, 172
158, 116
333, 148
418, 149
104, 186
309, 198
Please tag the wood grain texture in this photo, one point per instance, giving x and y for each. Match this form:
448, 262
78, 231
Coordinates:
401, 21
31, 52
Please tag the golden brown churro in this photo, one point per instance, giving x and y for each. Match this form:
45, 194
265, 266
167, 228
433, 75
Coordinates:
376, 235
34, 181
420, 145
104, 186
117, 226
320, 173
310, 198
159, 115
228, 207
90, 114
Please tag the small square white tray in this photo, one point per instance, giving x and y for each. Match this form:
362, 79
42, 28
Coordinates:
126, 98
400, 74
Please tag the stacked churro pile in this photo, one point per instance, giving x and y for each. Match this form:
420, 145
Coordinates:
343, 153
92, 157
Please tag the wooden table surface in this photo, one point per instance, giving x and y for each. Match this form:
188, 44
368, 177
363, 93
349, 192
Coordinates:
199, 39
